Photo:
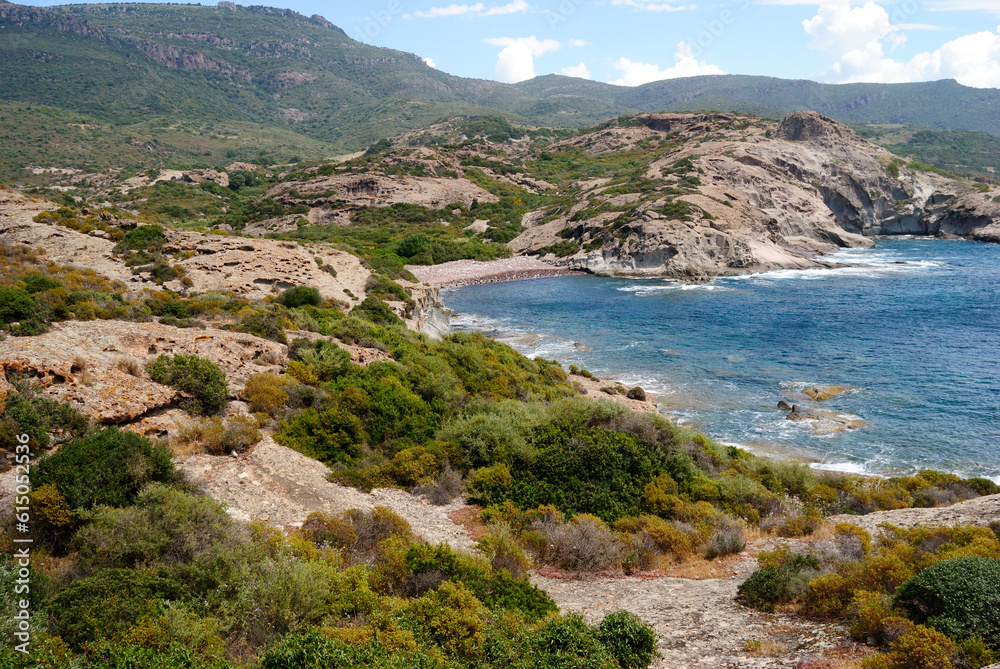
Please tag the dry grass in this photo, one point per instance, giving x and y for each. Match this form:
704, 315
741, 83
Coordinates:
130, 366
470, 519
701, 569
848, 656
765, 647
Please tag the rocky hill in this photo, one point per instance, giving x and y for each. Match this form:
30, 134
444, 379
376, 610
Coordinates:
675, 195
94, 87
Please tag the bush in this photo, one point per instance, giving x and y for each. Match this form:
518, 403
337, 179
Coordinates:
262, 323
166, 526
17, 305
200, 378
143, 238
584, 544
265, 393
631, 641
501, 549
783, 576
333, 435
310, 650
108, 468
917, 647
300, 296
727, 540
327, 360
104, 606
960, 598
376, 311
237, 434
39, 418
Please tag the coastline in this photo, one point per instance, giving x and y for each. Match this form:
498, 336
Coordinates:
458, 273
821, 459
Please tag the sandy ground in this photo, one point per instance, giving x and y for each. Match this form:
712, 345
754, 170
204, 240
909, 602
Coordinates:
470, 272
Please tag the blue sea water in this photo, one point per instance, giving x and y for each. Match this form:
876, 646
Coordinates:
912, 326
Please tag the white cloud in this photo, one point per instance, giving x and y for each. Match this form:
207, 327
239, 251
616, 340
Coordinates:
687, 65
450, 10
855, 38
579, 42
430, 62
580, 71
653, 5
516, 62
477, 9
509, 8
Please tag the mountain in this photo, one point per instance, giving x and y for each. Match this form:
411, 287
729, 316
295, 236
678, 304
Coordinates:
941, 105
140, 85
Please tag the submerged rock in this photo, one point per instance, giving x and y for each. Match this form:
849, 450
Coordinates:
825, 422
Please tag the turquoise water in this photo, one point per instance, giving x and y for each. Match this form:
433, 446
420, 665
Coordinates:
912, 326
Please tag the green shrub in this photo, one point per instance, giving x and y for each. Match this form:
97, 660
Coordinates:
326, 359
565, 642
165, 526
959, 597
386, 289
774, 585
18, 305
376, 311
107, 468
105, 605
143, 238
631, 641
39, 283
381, 396
329, 436
198, 377
262, 323
39, 418
310, 650
300, 296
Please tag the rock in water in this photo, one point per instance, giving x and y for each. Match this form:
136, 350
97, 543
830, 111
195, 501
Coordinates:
822, 393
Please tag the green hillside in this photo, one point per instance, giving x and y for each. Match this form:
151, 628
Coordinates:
101, 86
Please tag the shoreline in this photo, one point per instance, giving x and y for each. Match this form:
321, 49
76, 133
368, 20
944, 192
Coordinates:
458, 273
815, 460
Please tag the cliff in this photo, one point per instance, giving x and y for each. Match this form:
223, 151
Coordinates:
739, 195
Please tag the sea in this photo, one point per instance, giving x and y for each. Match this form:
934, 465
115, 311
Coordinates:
911, 328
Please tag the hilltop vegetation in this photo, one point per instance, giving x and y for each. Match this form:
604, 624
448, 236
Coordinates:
145, 85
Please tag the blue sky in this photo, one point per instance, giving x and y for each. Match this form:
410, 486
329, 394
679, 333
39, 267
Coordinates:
634, 41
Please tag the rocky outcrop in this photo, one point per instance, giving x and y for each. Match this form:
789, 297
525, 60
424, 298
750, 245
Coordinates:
183, 59
256, 268
111, 385
429, 315
754, 196
376, 190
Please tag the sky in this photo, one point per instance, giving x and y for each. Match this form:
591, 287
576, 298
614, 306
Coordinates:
632, 42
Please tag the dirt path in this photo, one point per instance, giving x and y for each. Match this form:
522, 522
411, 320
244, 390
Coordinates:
698, 622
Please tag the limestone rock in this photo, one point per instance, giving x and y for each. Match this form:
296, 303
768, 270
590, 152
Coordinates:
376, 190
101, 388
766, 196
